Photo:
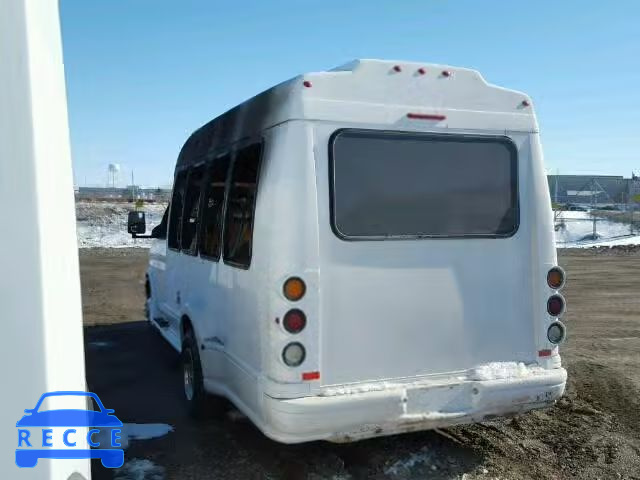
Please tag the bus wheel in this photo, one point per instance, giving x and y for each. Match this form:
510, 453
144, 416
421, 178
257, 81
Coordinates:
194, 392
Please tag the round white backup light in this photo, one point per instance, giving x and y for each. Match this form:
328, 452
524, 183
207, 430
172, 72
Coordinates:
556, 332
293, 354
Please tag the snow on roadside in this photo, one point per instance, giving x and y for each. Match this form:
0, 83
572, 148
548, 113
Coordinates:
104, 224
579, 225
137, 469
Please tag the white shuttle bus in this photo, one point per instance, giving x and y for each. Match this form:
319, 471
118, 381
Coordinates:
361, 252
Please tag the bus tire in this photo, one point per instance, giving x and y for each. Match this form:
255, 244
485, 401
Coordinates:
194, 392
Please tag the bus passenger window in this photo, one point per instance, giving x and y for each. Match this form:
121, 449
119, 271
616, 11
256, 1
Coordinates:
211, 238
238, 228
175, 218
191, 209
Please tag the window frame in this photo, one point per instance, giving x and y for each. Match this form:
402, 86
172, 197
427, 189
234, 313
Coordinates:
234, 155
209, 165
465, 137
184, 172
189, 171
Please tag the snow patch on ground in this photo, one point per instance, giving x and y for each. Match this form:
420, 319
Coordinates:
133, 431
503, 370
99, 344
137, 469
404, 466
104, 224
143, 431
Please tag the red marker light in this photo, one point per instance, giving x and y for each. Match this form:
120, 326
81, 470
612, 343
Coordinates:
311, 376
544, 353
425, 116
307, 83
294, 321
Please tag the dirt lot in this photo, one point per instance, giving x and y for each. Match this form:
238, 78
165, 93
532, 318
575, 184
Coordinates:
593, 432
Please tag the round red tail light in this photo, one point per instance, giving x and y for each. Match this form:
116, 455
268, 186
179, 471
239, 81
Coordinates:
555, 305
294, 321
555, 278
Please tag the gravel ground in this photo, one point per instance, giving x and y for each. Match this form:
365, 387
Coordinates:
593, 432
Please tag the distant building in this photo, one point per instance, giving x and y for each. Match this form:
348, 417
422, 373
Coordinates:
598, 189
129, 193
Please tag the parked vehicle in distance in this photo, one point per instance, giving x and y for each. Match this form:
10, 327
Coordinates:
361, 252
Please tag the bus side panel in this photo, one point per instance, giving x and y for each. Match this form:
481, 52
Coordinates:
286, 244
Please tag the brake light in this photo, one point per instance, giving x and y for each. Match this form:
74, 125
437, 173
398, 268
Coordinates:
294, 289
555, 305
294, 321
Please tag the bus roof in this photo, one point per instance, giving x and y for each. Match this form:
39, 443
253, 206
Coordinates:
395, 94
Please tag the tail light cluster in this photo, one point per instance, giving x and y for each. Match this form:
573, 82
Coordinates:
294, 321
556, 332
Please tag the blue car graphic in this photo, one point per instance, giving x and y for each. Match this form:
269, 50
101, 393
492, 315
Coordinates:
28, 457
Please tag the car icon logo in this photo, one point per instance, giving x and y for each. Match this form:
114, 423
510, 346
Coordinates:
39, 430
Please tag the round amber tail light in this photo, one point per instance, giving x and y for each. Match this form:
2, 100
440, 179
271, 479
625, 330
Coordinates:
294, 289
555, 278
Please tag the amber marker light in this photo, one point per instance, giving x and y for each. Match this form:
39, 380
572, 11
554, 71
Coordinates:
294, 289
555, 278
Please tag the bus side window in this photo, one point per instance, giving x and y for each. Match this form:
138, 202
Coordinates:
175, 217
211, 238
238, 226
191, 217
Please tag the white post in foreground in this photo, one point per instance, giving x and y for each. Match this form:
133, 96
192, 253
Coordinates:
40, 307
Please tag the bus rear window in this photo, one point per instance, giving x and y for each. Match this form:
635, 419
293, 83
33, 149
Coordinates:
411, 185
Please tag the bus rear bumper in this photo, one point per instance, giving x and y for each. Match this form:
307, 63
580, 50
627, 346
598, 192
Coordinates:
408, 407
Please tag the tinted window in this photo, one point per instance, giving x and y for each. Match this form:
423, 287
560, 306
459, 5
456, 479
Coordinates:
191, 212
211, 239
390, 184
177, 201
238, 227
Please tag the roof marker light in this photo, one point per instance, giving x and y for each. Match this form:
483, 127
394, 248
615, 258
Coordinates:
446, 73
397, 68
425, 116
421, 71
525, 103
307, 83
